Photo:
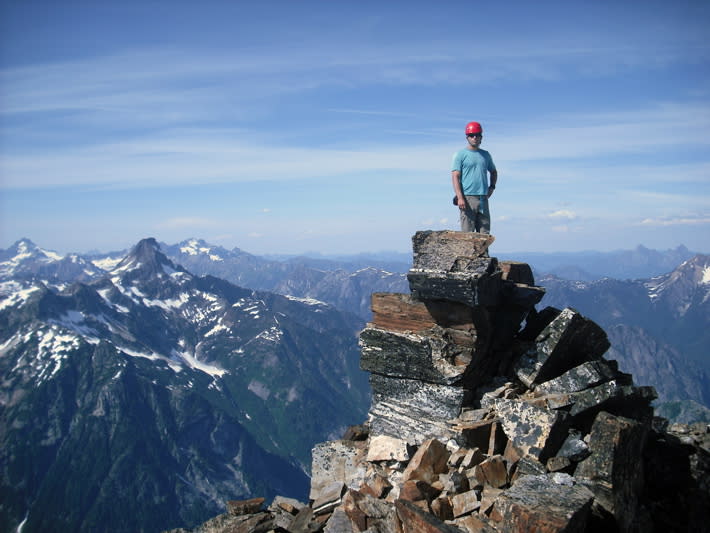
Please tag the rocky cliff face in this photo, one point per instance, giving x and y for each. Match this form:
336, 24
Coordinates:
488, 415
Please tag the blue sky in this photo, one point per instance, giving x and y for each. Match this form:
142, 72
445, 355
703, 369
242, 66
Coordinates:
294, 126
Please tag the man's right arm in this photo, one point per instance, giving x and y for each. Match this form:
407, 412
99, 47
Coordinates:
456, 182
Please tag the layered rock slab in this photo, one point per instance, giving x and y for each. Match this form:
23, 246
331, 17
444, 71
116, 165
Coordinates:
413, 410
568, 341
543, 504
453, 266
614, 471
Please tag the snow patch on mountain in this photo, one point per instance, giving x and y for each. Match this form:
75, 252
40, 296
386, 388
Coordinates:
190, 359
193, 247
104, 293
54, 346
107, 263
127, 267
258, 388
168, 304
75, 321
308, 301
655, 287
273, 334
217, 328
174, 365
254, 309
16, 294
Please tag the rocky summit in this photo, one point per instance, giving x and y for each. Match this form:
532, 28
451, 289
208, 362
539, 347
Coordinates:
488, 415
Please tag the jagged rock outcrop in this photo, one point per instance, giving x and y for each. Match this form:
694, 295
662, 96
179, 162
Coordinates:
489, 416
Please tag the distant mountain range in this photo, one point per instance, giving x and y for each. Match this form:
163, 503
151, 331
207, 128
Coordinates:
142, 398
658, 325
345, 284
638, 263
659, 328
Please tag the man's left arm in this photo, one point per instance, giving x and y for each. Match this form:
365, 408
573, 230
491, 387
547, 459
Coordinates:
493, 180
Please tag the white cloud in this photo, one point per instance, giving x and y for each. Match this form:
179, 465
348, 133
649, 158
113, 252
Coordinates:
563, 213
680, 221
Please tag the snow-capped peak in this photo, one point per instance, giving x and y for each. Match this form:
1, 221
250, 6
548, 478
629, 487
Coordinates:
147, 258
199, 247
25, 257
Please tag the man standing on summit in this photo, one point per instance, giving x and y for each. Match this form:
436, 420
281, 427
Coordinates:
470, 172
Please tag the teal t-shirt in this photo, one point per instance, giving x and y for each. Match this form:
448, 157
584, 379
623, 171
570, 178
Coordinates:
474, 166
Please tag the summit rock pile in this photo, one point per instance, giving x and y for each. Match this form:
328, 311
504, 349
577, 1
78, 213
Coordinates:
489, 416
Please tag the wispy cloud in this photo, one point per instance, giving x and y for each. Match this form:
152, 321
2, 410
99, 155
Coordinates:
159, 79
608, 133
563, 214
679, 221
176, 156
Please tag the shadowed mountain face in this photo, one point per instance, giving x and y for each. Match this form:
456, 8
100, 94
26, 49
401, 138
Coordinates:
146, 397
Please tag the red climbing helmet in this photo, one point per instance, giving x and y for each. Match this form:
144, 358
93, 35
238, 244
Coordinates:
473, 127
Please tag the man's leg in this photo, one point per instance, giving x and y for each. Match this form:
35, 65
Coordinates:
483, 218
468, 216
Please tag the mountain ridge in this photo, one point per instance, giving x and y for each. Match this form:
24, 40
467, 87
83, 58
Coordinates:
150, 390
636, 263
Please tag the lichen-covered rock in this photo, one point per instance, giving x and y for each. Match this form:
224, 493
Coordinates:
453, 266
568, 341
443, 250
538, 503
532, 430
413, 410
479, 285
581, 377
434, 358
386, 448
627, 400
337, 461
614, 469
